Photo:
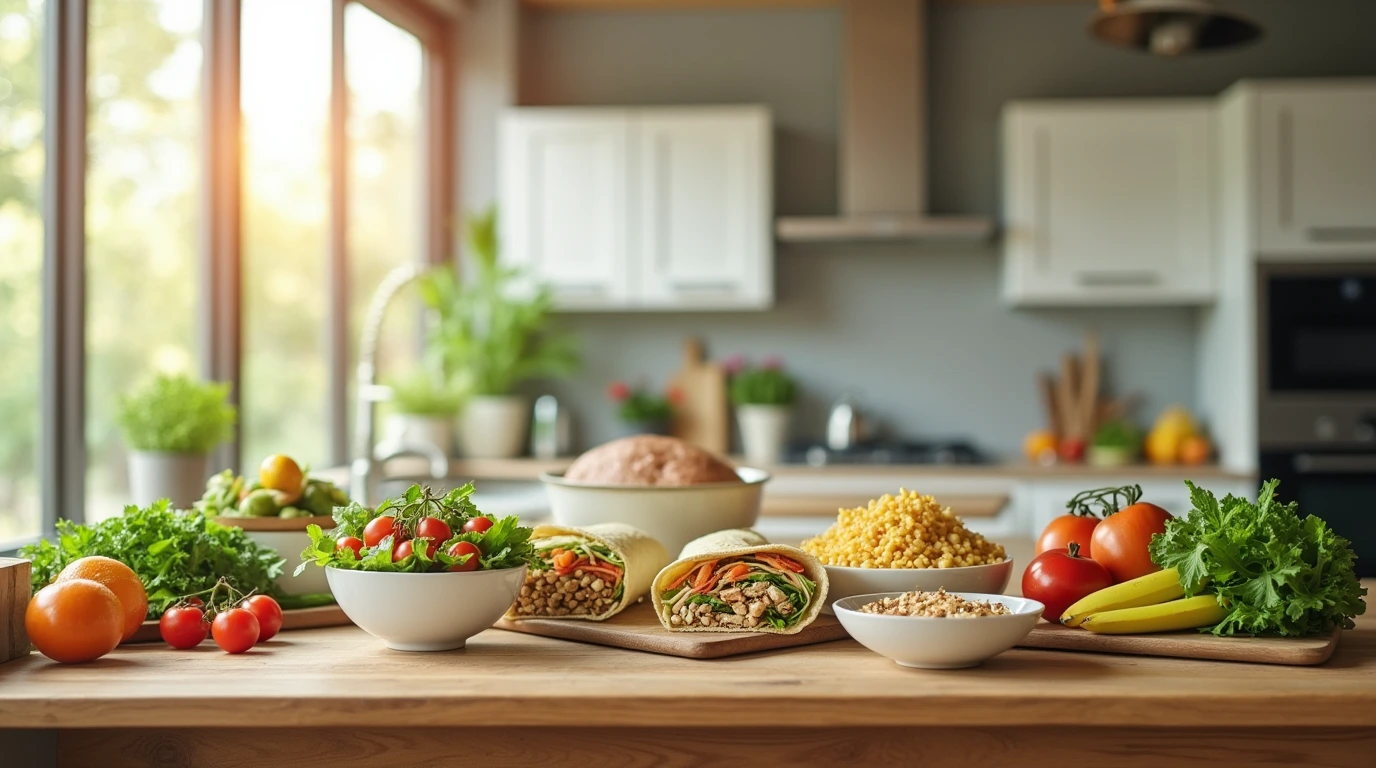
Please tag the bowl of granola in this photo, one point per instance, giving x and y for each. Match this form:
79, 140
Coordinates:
938, 630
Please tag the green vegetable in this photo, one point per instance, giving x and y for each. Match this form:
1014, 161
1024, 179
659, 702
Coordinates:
259, 503
1117, 433
505, 545
765, 385
221, 495
174, 553
177, 414
1273, 571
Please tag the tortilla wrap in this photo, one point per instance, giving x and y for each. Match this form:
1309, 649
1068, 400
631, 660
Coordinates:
641, 553
735, 543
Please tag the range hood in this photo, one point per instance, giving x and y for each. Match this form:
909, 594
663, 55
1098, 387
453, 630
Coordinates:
883, 153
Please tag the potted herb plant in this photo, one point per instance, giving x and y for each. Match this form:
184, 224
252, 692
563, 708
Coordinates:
423, 410
641, 411
1115, 444
171, 424
764, 397
489, 333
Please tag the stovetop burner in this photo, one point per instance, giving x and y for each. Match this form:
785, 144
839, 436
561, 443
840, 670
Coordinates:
935, 452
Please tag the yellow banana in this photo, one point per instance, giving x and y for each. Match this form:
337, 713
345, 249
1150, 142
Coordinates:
1144, 590
1199, 611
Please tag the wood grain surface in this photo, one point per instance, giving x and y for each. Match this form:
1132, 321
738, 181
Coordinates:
14, 600
499, 747
637, 629
299, 618
1296, 651
341, 676
702, 417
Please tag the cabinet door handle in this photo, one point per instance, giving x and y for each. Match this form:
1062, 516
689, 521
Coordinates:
1342, 234
1093, 278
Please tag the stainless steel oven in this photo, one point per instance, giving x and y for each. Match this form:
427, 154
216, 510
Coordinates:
1317, 428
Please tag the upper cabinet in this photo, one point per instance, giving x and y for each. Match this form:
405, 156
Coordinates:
1316, 172
1108, 202
664, 208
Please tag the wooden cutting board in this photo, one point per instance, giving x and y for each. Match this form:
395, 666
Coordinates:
701, 418
297, 618
637, 629
14, 600
1294, 651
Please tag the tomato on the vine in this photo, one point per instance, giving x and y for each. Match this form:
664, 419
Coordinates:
1120, 541
406, 548
351, 542
235, 630
434, 529
1067, 528
477, 525
380, 528
462, 548
1058, 578
183, 627
267, 612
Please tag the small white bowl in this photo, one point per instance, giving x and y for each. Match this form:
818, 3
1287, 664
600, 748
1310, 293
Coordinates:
425, 611
673, 514
844, 581
929, 643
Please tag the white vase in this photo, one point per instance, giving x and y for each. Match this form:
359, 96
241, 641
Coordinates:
493, 427
408, 430
764, 432
178, 477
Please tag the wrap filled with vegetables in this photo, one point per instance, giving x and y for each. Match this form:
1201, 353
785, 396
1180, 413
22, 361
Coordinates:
736, 581
589, 573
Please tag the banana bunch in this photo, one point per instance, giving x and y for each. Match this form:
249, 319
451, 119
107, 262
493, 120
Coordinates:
1152, 603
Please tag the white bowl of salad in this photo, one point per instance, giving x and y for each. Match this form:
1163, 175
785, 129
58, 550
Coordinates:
424, 571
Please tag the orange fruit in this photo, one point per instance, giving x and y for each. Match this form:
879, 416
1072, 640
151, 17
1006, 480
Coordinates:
1195, 450
281, 473
74, 620
1040, 447
118, 578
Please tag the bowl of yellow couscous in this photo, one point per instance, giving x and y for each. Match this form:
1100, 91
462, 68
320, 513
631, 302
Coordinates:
904, 542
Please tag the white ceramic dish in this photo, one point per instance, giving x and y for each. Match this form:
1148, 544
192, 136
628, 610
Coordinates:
289, 538
990, 579
425, 611
927, 643
673, 514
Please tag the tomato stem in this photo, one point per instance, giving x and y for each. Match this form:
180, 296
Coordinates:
1073, 548
1102, 502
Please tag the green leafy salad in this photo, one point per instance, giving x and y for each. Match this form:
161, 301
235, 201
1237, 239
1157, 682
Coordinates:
421, 531
1275, 572
174, 553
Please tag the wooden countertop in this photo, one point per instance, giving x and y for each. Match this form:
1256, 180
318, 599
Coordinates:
335, 677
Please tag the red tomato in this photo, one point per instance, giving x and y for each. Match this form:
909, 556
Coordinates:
434, 529
267, 612
183, 627
235, 630
380, 528
1067, 528
461, 548
405, 548
477, 525
195, 602
351, 542
1120, 541
1058, 578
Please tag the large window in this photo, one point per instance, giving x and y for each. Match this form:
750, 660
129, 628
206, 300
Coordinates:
21, 258
143, 186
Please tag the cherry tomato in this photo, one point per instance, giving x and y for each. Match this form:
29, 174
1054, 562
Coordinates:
235, 630
267, 612
183, 627
461, 548
405, 548
1120, 542
1057, 578
477, 525
434, 529
1067, 528
195, 602
380, 528
351, 542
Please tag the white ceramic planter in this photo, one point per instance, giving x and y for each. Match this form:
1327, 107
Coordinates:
402, 430
179, 477
493, 427
764, 432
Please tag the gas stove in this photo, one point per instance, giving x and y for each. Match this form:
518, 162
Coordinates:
934, 452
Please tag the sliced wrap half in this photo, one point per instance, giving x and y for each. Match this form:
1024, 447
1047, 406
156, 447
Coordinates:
617, 561
736, 581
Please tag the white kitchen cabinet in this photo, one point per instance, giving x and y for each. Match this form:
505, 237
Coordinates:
1316, 172
655, 208
1108, 202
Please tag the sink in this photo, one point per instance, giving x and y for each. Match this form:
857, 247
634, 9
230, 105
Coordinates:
524, 498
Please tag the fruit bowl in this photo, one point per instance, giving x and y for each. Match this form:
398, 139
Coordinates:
425, 611
939, 643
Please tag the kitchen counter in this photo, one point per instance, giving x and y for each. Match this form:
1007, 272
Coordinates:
337, 697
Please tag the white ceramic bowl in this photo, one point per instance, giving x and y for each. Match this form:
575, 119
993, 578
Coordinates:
288, 537
425, 611
927, 643
673, 514
844, 581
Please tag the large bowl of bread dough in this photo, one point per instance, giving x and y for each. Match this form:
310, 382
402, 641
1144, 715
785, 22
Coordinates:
668, 488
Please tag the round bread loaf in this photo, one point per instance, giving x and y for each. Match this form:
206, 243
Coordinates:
649, 460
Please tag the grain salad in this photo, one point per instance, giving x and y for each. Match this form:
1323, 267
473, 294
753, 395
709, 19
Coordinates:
934, 605
904, 531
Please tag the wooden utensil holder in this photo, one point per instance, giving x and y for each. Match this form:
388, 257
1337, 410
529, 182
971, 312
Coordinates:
14, 600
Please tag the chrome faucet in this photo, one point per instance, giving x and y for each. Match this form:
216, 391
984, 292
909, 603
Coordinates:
365, 472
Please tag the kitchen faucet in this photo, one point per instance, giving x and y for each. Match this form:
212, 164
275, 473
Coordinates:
364, 473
